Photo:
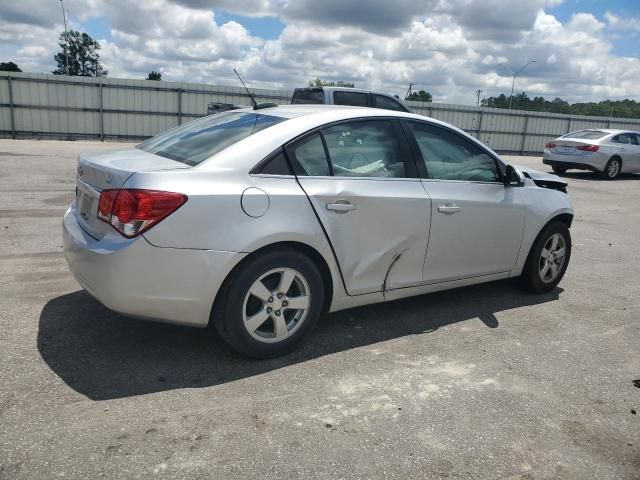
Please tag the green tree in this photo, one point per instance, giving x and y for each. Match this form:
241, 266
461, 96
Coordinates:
420, 96
9, 67
84, 59
153, 75
318, 82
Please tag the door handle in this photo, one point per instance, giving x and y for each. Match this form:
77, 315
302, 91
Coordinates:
341, 206
449, 208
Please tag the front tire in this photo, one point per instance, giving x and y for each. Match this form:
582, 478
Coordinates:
270, 304
548, 259
612, 169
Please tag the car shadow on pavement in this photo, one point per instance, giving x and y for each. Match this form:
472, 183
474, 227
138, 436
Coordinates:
104, 355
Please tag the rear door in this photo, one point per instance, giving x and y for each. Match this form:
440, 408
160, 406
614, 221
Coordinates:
361, 180
634, 157
476, 222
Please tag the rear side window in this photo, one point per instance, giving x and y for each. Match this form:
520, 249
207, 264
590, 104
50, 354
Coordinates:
623, 138
586, 134
366, 148
196, 141
380, 101
350, 98
449, 156
308, 95
309, 157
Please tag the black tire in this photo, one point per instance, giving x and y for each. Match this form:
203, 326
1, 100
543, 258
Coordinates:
531, 278
228, 315
610, 171
559, 169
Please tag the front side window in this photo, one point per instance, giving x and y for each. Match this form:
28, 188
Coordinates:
380, 101
350, 98
196, 141
365, 148
635, 139
449, 156
309, 157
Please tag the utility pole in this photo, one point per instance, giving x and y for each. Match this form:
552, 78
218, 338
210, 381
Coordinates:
514, 74
66, 37
478, 93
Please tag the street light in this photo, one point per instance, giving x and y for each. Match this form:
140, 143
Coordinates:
515, 74
66, 38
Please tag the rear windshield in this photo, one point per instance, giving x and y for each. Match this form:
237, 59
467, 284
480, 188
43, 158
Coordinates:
308, 95
588, 134
196, 141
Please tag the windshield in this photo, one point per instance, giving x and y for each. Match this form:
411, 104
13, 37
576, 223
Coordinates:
586, 134
196, 141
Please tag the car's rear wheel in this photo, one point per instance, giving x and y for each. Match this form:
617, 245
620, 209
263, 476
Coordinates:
271, 303
612, 170
548, 259
559, 169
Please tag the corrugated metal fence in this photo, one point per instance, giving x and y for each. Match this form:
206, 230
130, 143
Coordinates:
53, 106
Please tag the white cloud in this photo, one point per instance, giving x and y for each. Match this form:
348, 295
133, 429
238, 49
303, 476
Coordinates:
450, 48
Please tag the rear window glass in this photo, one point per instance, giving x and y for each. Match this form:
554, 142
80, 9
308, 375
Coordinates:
350, 98
588, 134
308, 95
196, 141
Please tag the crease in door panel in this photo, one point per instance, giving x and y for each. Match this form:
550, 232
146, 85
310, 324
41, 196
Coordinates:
386, 277
428, 232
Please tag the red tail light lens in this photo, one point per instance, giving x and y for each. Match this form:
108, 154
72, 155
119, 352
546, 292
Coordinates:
550, 145
133, 211
589, 148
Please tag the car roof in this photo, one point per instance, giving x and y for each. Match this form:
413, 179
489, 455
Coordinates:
340, 112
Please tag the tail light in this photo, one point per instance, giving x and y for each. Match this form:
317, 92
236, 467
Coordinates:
550, 145
589, 148
133, 211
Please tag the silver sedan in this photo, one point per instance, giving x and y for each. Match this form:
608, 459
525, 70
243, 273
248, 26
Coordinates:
262, 220
604, 151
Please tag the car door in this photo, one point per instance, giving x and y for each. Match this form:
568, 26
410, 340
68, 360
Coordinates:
360, 178
634, 157
477, 222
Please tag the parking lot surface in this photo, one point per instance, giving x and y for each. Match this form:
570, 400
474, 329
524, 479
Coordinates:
485, 382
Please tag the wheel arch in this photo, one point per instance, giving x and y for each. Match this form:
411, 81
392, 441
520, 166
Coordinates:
309, 251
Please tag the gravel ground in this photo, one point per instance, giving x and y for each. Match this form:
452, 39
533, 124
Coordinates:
485, 382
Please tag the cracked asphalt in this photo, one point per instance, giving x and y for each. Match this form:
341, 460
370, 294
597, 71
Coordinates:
484, 382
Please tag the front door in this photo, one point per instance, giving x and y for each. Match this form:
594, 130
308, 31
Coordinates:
477, 222
376, 217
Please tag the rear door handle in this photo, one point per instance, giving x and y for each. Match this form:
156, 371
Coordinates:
449, 208
341, 206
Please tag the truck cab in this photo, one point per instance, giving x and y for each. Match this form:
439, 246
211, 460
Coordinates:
347, 96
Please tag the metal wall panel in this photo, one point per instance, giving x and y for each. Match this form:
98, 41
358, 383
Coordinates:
69, 107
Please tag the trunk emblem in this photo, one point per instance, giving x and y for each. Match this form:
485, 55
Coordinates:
80, 171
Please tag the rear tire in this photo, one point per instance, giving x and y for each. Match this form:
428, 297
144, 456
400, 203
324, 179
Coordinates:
257, 315
612, 169
548, 259
559, 169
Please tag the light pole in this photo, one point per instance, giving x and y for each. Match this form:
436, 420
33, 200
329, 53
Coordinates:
514, 74
66, 38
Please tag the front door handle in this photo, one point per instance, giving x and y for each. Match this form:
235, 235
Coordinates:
449, 208
341, 206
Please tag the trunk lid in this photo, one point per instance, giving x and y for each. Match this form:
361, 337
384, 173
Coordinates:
97, 172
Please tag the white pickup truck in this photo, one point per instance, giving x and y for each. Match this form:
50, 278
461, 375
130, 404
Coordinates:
348, 96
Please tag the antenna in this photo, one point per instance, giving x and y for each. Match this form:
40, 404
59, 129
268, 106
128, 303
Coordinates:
253, 99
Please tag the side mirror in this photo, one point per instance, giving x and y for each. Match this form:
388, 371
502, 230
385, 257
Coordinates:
513, 177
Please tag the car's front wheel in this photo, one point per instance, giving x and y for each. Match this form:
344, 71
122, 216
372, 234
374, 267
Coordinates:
548, 259
270, 304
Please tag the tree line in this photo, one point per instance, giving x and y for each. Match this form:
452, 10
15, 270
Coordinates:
617, 108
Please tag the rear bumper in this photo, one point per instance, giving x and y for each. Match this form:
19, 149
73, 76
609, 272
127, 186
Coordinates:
593, 162
137, 279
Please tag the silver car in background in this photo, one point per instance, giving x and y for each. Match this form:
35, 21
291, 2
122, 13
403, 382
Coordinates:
261, 220
604, 151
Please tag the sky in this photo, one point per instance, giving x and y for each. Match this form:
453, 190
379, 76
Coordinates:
584, 50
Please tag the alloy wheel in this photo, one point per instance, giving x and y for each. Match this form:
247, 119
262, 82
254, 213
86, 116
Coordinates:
552, 258
276, 305
613, 169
